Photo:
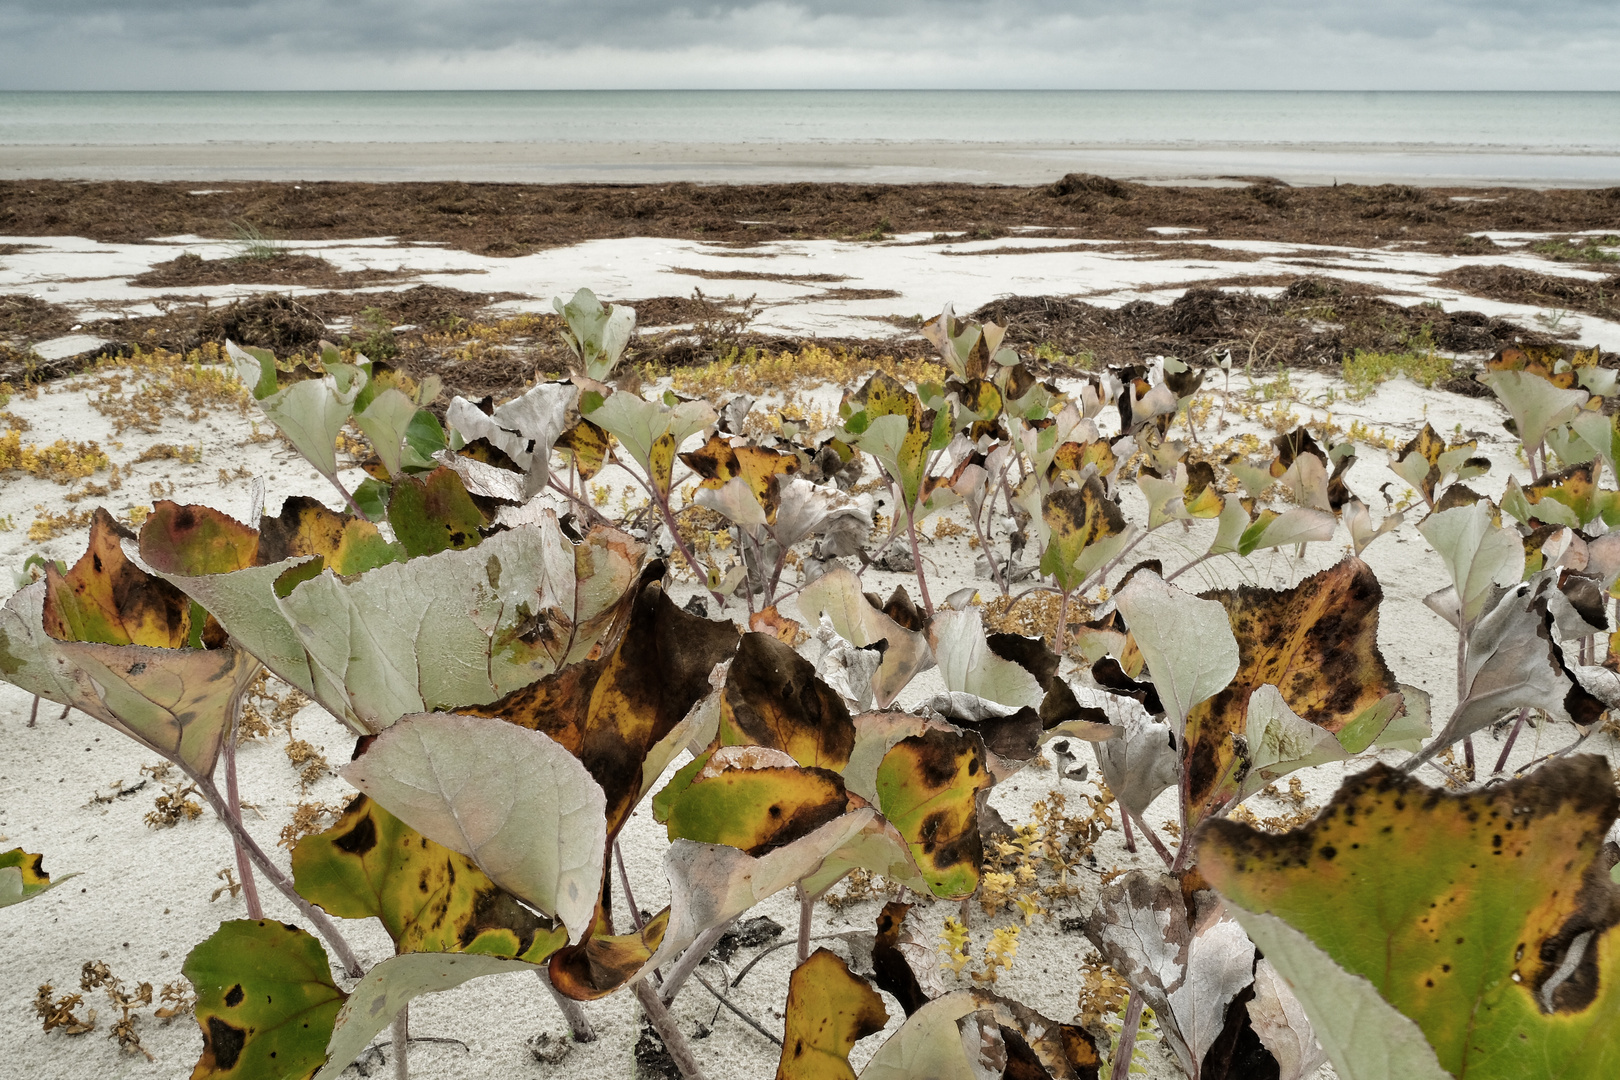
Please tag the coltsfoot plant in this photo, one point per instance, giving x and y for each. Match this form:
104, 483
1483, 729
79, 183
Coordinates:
519, 678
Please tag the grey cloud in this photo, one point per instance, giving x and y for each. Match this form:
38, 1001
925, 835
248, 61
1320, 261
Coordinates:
943, 42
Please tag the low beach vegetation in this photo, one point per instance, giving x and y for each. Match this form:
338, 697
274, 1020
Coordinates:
508, 655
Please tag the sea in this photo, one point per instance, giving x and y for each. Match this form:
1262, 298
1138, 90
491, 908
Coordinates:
1512, 136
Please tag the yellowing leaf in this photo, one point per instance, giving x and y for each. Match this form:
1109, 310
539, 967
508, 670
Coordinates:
347, 544
717, 461
586, 445
23, 876
1487, 918
927, 786
829, 1010
193, 540
756, 809
106, 598
428, 897
1317, 643
1078, 518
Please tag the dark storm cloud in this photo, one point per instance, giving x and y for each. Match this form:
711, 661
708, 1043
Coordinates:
822, 42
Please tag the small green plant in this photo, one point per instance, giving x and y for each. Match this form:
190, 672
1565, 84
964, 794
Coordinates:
374, 335
1364, 370
1587, 249
252, 244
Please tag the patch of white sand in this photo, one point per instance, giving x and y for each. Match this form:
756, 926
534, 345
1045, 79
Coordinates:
97, 276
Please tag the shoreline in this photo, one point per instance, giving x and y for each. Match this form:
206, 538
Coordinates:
640, 162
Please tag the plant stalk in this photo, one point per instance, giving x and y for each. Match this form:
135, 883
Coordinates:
233, 803
318, 918
807, 906
916, 558
989, 555
727, 1002
1153, 838
691, 959
402, 1041
624, 882
1127, 1037
662, 502
679, 1049
1513, 737
579, 1025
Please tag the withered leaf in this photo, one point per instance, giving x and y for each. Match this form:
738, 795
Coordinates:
1317, 643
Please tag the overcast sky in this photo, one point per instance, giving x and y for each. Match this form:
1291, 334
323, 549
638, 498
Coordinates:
504, 44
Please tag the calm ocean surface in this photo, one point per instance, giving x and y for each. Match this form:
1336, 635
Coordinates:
1555, 123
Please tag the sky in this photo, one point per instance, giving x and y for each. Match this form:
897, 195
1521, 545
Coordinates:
586, 44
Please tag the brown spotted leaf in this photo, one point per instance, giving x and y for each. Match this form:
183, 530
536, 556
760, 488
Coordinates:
718, 462
1084, 531
610, 713
521, 805
1486, 918
434, 514
755, 799
773, 698
266, 1002
108, 599
428, 897
829, 1010
586, 446
1318, 644
194, 540
305, 526
928, 786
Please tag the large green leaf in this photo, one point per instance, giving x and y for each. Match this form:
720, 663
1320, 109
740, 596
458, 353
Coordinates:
1479, 555
460, 627
384, 420
237, 573
265, 1001
310, 412
434, 513
596, 334
1187, 642
1487, 918
650, 431
967, 664
178, 702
